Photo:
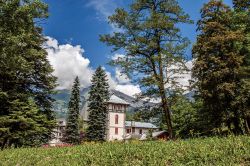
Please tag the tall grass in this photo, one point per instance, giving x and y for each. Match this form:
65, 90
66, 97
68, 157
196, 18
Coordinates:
209, 151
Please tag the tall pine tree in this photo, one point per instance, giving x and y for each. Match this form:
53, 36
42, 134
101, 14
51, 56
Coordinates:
25, 72
153, 46
97, 106
217, 66
72, 133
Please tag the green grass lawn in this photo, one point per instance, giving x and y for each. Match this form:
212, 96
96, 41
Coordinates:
209, 151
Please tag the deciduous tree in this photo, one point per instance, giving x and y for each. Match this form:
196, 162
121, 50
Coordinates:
150, 36
217, 66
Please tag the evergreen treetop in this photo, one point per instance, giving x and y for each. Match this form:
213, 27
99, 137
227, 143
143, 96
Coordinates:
25, 72
72, 134
97, 106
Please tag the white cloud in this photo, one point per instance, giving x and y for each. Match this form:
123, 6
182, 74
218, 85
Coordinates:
120, 77
68, 62
183, 78
129, 89
105, 8
112, 82
117, 56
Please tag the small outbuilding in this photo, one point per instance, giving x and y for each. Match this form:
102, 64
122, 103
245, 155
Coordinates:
161, 135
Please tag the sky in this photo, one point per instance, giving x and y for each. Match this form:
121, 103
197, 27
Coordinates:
73, 45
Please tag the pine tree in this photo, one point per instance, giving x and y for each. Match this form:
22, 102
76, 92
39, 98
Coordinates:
217, 66
23, 126
25, 71
97, 106
153, 44
72, 133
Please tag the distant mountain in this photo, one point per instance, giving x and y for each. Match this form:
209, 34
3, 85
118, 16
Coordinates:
62, 99
135, 103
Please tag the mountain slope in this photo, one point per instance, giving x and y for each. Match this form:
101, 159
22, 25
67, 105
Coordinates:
62, 99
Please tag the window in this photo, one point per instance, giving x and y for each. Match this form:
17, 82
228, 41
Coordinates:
116, 119
140, 131
128, 130
116, 131
133, 130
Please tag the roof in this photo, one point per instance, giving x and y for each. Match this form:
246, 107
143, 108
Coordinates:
140, 125
117, 100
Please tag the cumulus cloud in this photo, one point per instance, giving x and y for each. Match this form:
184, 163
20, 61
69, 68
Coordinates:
68, 62
129, 89
182, 78
186, 77
120, 77
112, 82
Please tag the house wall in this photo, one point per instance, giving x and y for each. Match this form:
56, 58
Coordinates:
58, 133
137, 130
112, 126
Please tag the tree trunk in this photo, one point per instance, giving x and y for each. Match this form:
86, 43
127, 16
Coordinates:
247, 126
166, 111
4, 143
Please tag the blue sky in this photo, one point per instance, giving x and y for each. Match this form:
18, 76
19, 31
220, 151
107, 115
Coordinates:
80, 22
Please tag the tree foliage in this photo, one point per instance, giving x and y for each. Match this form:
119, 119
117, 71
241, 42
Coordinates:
72, 133
153, 44
242, 20
97, 106
25, 72
23, 126
217, 66
187, 119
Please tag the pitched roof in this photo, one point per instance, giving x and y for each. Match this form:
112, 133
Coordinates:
140, 125
117, 100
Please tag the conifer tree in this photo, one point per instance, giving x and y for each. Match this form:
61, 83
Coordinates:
23, 126
72, 133
25, 72
97, 106
217, 66
153, 44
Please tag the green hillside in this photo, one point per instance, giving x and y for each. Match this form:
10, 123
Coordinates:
209, 151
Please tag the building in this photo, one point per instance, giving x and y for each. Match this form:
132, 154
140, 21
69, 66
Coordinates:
117, 126
58, 132
139, 128
116, 118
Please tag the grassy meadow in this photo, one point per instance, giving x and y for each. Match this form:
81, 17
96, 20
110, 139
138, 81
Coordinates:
209, 151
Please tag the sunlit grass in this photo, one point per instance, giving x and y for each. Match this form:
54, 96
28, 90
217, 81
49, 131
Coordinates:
209, 151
